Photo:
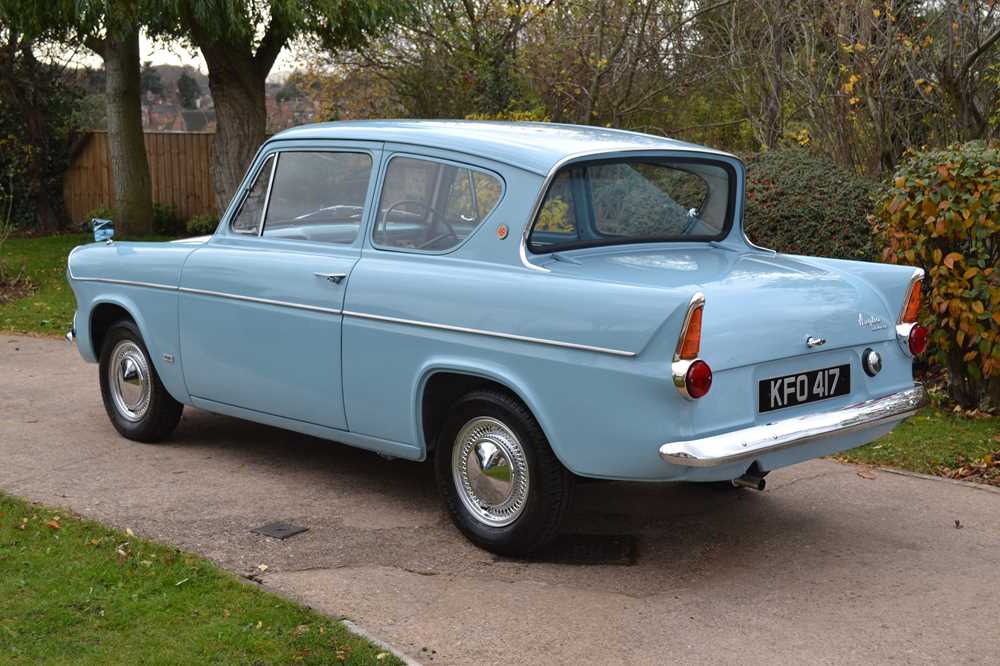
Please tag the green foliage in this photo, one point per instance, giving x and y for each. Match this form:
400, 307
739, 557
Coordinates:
37, 108
75, 591
101, 213
202, 225
166, 220
942, 212
149, 79
188, 90
802, 203
933, 442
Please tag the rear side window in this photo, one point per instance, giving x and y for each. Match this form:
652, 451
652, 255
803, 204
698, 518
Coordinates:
247, 219
432, 206
318, 196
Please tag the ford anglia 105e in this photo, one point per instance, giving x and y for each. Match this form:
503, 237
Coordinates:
523, 303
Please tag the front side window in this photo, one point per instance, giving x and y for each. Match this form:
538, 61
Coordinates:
318, 196
247, 219
432, 206
632, 201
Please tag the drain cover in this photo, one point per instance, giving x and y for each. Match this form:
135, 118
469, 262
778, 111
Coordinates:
280, 530
617, 549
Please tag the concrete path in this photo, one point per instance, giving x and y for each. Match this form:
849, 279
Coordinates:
825, 566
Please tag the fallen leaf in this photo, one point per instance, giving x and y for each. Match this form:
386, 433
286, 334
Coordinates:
54, 523
866, 474
958, 524
262, 567
128, 531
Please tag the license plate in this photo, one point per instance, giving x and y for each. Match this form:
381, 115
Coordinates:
792, 390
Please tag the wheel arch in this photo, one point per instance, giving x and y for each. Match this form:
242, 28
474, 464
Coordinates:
441, 381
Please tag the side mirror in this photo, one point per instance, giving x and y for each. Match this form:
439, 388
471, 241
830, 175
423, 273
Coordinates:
104, 230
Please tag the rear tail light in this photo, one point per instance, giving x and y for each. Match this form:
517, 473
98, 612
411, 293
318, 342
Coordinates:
698, 379
917, 339
692, 376
912, 337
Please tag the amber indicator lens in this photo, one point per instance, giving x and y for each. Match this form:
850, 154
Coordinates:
691, 343
698, 379
912, 310
918, 339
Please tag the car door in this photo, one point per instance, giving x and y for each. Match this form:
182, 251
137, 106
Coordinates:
260, 304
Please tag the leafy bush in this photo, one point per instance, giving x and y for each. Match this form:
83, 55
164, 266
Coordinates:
942, 212
102, 213
202, 225
802, 203
166, 220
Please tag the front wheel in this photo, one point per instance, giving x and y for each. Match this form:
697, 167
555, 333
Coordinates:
134, 398
503, 486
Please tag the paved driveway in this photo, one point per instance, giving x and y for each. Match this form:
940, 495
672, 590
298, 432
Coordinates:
823, 567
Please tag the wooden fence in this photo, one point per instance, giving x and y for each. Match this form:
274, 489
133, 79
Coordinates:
178, 165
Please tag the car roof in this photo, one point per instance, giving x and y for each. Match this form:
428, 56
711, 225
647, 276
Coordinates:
533, 146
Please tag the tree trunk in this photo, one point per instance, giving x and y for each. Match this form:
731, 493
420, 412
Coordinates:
129, 164
237, 85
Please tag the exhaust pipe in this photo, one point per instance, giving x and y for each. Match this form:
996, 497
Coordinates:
753, 481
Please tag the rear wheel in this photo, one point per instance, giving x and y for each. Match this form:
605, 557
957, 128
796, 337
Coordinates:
504, 488
134, 398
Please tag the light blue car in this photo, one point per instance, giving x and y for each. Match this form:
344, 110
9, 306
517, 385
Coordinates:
524, 303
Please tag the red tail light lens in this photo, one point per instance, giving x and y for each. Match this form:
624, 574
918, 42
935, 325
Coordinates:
698, 379
918, 339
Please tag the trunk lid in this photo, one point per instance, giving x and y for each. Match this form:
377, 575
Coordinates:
759, 306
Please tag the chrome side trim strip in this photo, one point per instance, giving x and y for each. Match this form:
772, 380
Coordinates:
492, 334
365, 315
262, 301
128, 283
749, 443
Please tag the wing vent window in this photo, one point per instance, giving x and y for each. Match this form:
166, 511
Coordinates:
432, 206
247, 219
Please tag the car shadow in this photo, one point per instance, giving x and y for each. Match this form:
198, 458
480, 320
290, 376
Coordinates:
387, 512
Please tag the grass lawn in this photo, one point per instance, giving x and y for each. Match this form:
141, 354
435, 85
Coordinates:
934, 439
74, 591
50, 309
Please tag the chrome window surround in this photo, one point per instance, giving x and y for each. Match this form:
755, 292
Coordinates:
246, 195
679, 367
584, 155
377, 200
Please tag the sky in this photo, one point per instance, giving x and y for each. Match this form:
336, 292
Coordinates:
161, 53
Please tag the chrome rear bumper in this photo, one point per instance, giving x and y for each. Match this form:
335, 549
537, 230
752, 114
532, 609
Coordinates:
755, 441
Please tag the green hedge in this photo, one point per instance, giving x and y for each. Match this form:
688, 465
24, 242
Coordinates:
802, 203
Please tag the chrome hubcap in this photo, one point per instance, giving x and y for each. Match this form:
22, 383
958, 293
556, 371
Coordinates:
129, 379
490, 471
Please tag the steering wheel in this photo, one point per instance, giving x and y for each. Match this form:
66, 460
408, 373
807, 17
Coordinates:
450, 233
403, 202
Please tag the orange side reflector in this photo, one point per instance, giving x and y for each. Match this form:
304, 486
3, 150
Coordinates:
912, 310
692, 336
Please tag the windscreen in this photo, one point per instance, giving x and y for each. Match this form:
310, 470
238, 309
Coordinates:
632, 201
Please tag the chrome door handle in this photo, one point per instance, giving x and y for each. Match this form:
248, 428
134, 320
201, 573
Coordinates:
812, 342
335, 278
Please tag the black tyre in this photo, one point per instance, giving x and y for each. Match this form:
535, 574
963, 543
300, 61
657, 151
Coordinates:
503, 486
135, 400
